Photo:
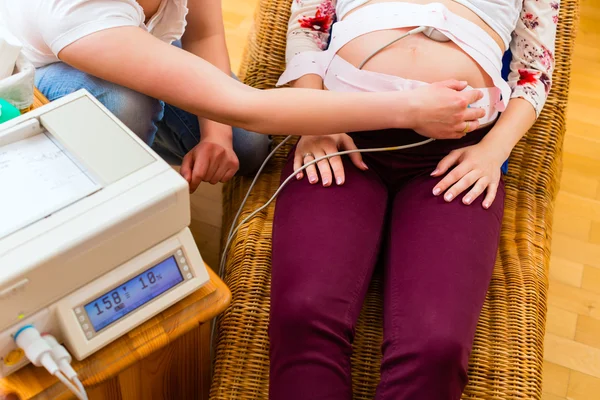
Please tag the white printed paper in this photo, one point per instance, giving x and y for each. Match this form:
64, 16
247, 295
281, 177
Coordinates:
37, 178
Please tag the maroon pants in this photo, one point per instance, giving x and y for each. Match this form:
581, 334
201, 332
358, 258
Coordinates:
437, 261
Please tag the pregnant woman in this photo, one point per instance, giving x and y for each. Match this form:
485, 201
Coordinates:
429, 216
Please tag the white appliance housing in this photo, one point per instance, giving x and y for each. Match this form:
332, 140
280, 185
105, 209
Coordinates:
97, 238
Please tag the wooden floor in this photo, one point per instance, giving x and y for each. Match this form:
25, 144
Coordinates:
572, 351
572, 348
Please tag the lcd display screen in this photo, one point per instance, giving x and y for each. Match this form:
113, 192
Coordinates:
131, 295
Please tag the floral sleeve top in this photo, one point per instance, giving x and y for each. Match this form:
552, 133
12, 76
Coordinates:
527, 27
532, 49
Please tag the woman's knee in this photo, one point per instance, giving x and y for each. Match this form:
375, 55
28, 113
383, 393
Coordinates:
432, 353
251, 149
303, 316
294, 312
444, 351
137, 111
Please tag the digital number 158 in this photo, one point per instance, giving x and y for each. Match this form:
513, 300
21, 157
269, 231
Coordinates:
108, 304
116, 298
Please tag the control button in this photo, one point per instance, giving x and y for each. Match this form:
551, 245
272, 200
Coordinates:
179, 253
13, 357
182, 260
81, 318
78, 310
189, 276
186, 268
89, 335
85, 327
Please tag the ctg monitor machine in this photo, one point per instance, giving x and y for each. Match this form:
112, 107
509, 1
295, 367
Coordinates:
94, 236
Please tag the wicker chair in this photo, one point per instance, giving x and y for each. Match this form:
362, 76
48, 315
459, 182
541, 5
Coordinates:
506, 361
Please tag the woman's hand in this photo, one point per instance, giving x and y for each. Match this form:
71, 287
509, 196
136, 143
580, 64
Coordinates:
477, 166
312, 147
212, 160
441, 110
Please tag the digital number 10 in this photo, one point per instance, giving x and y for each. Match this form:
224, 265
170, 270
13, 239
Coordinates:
151, 279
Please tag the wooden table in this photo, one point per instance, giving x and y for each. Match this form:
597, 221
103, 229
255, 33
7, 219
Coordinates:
168, 357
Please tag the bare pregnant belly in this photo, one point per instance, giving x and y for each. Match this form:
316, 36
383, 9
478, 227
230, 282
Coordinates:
417, 56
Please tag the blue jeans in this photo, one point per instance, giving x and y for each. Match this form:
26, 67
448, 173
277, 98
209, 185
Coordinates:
170, 131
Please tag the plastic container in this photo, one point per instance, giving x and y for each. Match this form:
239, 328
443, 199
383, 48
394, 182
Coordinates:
17, 89
10, 48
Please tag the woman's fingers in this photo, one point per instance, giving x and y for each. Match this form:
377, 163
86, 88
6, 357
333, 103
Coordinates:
324, 167
463, 184
211, 172
187, 166
465, 127
198, 174
331, 168
453, 84
311, 170
337, 166
492, 189
356, 158
476, 190
228, 175
222, 172
298, 163
468, 126
450, 179
446, 163
473, 114
471, 96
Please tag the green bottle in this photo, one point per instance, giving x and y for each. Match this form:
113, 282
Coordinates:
7, 111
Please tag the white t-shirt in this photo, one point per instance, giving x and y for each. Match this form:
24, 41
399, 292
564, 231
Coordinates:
45, 27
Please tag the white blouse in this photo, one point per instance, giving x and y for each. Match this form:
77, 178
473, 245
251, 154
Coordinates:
527, 27
45, 27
